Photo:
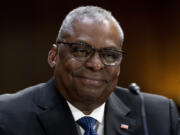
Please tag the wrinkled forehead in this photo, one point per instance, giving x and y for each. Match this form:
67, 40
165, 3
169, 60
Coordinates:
102, 27
90, 23
98, 19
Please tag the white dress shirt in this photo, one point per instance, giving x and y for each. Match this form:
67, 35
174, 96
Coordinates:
97, 114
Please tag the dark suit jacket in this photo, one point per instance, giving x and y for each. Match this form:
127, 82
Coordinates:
41, 110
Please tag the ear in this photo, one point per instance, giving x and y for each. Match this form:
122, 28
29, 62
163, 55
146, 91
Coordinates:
52, 56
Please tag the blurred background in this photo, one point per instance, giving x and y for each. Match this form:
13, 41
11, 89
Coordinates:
152, 42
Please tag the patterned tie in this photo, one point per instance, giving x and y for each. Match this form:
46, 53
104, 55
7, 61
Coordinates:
87, 124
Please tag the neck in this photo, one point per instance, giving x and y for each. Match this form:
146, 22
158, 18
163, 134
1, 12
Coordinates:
87, 112
85, 108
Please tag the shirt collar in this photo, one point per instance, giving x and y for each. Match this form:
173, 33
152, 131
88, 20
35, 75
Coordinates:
97, 113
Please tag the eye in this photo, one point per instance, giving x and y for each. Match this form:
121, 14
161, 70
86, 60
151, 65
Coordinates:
110, 56
80, 51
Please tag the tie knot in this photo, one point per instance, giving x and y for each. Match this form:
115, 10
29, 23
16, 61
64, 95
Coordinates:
86, 122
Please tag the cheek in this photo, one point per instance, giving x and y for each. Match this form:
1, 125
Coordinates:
72, 65
68, 63
114, 72
64, 69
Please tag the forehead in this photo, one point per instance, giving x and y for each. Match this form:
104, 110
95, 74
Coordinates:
96, 31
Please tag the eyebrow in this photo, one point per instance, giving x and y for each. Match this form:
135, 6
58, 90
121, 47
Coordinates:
85, 43
111, 47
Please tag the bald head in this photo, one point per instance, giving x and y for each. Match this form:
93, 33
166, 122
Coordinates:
83, 13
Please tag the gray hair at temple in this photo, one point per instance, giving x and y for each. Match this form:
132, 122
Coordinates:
86, 11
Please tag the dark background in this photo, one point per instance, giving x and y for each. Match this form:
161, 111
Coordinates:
152, 41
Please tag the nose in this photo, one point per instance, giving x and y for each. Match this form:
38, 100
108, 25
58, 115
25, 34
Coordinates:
94, 62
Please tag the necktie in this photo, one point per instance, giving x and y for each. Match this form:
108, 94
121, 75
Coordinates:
87, 124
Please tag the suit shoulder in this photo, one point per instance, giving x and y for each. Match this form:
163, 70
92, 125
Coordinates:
125, 91
155, 97
25, 95
149, 98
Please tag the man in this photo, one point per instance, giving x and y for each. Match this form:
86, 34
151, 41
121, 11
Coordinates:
82, 97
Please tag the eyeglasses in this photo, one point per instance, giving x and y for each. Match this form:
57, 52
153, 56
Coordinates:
83, 51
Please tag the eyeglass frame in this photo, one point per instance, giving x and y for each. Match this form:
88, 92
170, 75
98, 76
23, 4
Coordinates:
69, 44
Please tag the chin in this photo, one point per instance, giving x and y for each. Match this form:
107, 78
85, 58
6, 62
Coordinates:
93, 96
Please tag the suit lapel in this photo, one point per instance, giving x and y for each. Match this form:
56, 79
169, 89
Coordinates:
54, 113
117, 121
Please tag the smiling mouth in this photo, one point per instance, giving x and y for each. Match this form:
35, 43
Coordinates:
91, 79
90, 82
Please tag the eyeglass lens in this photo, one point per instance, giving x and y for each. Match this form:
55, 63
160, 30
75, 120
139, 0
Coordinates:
108, 56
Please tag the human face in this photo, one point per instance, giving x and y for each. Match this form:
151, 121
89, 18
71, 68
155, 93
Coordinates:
88, 83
